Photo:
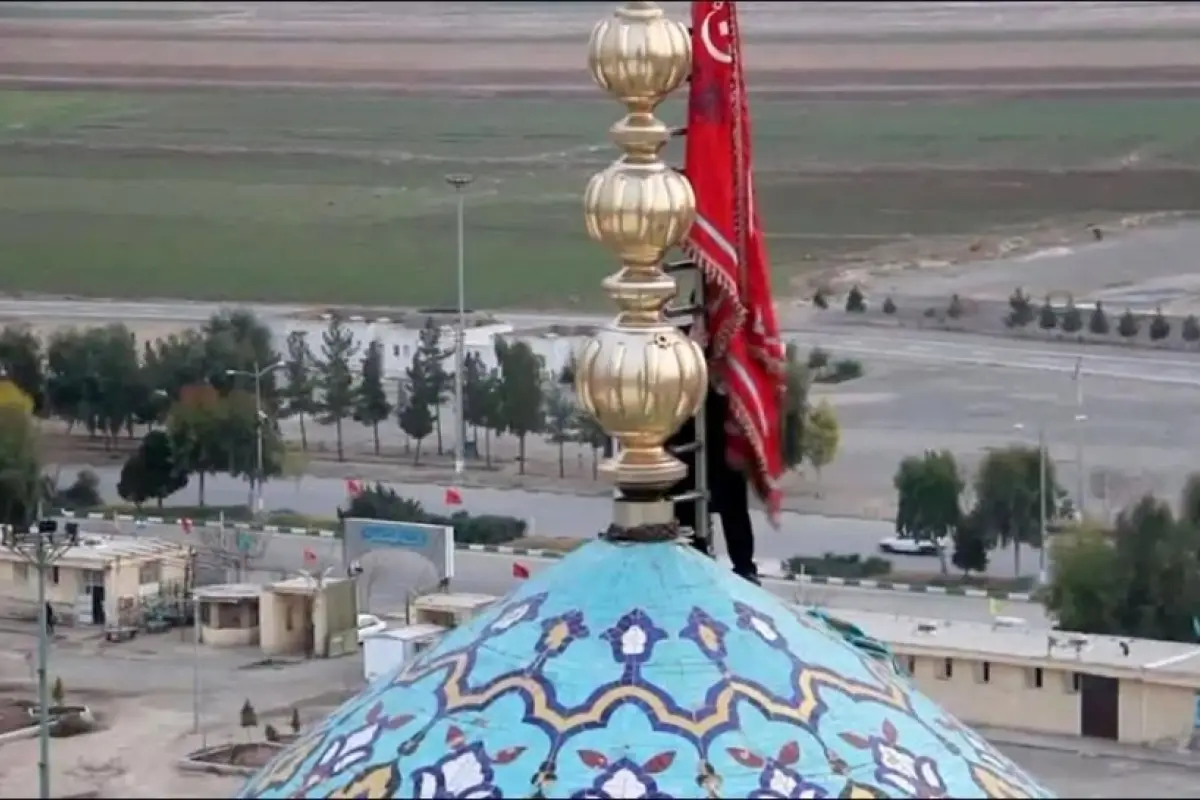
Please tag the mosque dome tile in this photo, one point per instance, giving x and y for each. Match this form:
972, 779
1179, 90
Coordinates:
642, 671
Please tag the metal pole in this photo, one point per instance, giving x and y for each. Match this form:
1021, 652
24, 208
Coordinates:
1042, 502
195, 653
703, 519
1080, 418
258, 425
460, 182
43, 656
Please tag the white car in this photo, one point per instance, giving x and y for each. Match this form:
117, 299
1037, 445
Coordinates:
899, 546
369, 624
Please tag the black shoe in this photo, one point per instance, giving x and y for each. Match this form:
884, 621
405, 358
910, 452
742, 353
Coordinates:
751, 576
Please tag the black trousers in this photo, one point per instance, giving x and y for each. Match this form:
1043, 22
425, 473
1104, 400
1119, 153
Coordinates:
729, 491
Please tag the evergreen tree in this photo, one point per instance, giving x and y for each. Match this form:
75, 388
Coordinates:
522, 397
560, 422
476, 394
436, 380
298, 396
371, 405
416, 419
1128, 326
1072, 321
1098, 324
335, 378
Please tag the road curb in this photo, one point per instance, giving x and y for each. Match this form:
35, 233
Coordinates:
507, 550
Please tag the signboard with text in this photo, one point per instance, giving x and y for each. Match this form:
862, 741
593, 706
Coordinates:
435, 543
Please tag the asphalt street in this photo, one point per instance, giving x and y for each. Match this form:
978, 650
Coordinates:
391, 576
562, 515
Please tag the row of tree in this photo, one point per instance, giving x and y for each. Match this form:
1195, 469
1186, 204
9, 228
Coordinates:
1070, 319
1138, 577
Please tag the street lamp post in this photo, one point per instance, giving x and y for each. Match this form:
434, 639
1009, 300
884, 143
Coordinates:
258, 375
1080, 419
460, 181
40, 549
1041, 498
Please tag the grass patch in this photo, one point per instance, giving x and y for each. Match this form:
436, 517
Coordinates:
339, 197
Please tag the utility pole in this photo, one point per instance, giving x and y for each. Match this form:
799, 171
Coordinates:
460, 181
1042, 504
1080, 419
41, 547
259, 420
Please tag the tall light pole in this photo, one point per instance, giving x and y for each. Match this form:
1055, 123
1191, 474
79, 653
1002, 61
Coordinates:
257, 374
1041, 499
41, 549
460, 181
1080, 419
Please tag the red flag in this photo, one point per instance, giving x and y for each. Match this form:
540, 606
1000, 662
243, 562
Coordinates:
354, 487
453, 497
310, 556
520, 571
186, 525
747, 357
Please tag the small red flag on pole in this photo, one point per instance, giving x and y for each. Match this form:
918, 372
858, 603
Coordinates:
310, 556
453, 497
520, 571
354, 487
186, 525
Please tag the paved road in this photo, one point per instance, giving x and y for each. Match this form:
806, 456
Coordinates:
932, 347
395, 574
565, 516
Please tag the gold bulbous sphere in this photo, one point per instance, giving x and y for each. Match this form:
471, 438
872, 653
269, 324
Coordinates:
638, 55
642, 385
639, 211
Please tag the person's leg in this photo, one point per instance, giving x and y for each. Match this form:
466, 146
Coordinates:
735, 521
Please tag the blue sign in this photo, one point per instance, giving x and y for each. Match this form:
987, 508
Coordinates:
396, 534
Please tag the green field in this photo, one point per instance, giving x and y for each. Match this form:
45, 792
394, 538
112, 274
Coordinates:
326, 196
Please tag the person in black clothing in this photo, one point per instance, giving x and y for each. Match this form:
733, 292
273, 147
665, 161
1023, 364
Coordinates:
729, 490
51, 620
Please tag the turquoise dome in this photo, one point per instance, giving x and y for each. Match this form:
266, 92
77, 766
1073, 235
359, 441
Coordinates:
643, 671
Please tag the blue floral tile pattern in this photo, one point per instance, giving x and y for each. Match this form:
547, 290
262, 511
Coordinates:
642, 672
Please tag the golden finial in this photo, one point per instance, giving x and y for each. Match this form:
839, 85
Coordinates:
639, 375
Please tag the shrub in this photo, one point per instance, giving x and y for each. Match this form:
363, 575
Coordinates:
1128, 325
820, 299
1159, 327
856, 301
1072, 321
58, 692
833, 565
889, 307
378, 502
955, 309
1047, 317
1098, 324
1190, 329
82, 494
818, 359
1020, 310
847, 369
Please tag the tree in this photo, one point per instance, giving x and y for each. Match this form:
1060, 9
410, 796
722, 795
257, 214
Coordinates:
477, 394
822, 436
1072, 321
856, 301
566, 375
1159, 327
114, 379
157, 469
238, 431
928, 489
21, 360
1020, 309
560, 422
521, 394
889, 306
971, 545
66, 373
335, 378
1128, 326
298, 395
371, 401
194, 431
1142, 578
1190, 330
494, 421
436, 381
415, 418
20, 470
133, 485
795, 408
1008, 494
82, 493
1047, 317
1098, 323
820, 299
592, 436
58, 692
238, 341
955, 309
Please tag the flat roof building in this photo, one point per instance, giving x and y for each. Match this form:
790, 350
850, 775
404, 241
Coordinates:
1009, 675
